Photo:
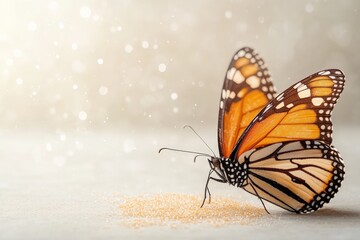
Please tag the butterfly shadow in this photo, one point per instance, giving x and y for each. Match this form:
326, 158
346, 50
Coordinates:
330, 213
338, 213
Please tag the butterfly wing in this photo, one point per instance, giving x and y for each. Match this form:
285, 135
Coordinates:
301, 112
247, 89
298, 176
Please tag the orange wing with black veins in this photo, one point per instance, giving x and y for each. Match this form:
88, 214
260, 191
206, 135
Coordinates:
247, 89
302, 112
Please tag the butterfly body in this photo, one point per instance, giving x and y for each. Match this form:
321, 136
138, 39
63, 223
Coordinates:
231, 171
278, 147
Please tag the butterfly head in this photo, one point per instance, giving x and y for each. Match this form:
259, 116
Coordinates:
216, 165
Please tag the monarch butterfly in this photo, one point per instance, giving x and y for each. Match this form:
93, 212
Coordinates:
277, 148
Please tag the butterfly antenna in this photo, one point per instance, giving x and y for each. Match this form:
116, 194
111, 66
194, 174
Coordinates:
198, 154
188, 126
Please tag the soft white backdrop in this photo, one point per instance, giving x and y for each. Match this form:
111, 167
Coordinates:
100, 64
90, 90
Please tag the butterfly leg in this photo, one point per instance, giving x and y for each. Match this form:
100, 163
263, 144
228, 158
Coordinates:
259, 198
218, 180
245, 183
207, 189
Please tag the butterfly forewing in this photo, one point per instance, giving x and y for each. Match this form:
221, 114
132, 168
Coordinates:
301, 112
298, 176
247, 89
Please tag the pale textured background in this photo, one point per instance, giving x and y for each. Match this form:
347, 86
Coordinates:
50, 72
90, 90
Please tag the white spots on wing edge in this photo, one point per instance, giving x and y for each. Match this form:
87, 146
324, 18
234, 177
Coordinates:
238, 77
241, 53
230, 73
280, 105
301, 87
317, 101
297, 85
253, 81
303, 90
290, 105
304, 94
235, 75
225, 94
280, 97
248, 55
324, 73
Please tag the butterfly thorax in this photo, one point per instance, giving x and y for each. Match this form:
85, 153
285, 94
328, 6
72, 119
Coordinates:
236, 172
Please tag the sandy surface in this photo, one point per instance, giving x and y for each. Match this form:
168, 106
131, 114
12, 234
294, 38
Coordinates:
56, 188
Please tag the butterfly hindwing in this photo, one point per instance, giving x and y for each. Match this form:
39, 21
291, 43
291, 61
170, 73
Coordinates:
298, 176
301, 112
247, 89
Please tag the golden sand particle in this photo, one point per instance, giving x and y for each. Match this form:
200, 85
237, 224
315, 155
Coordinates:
172, 209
